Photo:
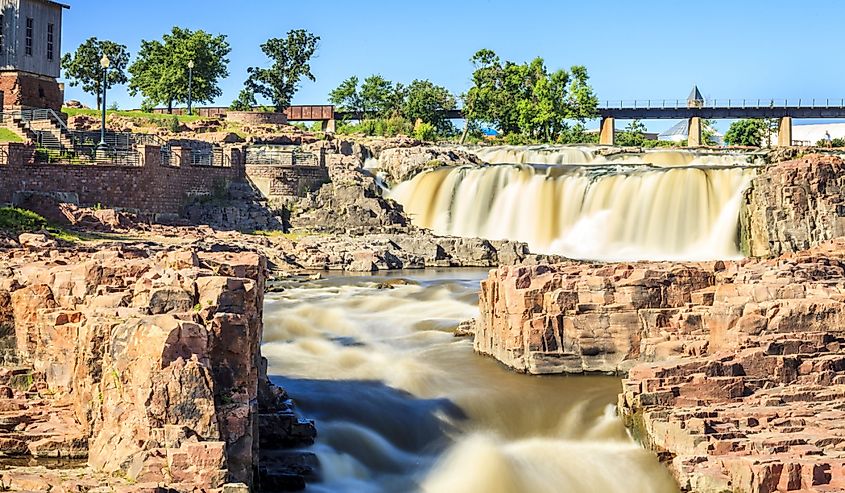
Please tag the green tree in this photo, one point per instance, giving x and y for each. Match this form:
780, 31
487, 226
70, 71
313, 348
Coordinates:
632, 135
160, 72
347, 97
428, 102
290, 58
748, 132
245, 101
379, 97
526, 98
82, 67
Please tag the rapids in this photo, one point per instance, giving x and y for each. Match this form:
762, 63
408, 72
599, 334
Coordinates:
661, 205
403, 406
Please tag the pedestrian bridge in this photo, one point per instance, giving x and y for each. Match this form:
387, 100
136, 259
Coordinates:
696, 108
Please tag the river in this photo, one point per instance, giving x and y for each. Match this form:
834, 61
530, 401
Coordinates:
401, 405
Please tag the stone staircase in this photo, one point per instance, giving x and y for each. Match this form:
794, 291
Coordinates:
42, 126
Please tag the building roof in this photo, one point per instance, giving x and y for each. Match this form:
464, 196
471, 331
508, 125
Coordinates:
57, 4
695, 94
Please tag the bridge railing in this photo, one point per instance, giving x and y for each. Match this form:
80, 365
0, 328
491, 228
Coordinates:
723, 103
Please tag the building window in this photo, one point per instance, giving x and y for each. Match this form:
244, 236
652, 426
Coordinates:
2, 31
50, 42
29, 36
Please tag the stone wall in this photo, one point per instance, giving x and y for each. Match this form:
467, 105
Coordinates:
279, 181
151, 187
794, 205
23, 90
257, 117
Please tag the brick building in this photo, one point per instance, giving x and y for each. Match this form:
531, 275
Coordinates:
30, 53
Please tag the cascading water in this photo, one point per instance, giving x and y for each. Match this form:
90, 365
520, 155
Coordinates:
403, 406
687, 210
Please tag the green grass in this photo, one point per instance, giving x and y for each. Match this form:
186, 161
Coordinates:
7, 135
20, 220
151, 117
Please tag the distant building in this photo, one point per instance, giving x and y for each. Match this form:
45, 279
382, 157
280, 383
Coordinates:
811, 134
680, 132
30, 53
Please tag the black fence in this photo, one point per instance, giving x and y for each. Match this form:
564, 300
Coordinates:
211, 156
279, 156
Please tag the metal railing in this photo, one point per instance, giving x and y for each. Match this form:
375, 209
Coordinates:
723, 103
88, 156
279, 156
170, 158
211, 156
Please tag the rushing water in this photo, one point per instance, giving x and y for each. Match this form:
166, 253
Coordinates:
403, 406
660, 205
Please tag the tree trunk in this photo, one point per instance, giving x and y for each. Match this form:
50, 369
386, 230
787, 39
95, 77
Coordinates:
170, 107
466, 132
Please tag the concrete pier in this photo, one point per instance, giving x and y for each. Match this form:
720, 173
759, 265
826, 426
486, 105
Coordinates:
785, 131
608, 131
694, 139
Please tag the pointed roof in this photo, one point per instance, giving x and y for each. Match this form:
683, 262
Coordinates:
695, 94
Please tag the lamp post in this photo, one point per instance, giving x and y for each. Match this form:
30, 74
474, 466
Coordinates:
190, 84
104, 62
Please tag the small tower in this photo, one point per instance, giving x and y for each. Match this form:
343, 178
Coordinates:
30, 54
695, 99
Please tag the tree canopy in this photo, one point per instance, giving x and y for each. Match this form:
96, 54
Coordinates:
526, 98
160, 72
346, 96
748, 132
428, 102
82, 67
290, 58
633, 134
378, 97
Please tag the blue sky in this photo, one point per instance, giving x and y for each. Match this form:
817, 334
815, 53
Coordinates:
632, 49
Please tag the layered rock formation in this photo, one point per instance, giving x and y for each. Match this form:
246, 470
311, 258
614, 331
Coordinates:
793, 206
147, 365
736, 369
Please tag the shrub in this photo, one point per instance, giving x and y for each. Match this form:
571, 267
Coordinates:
173, 124
20, 220
425, 131
516, 139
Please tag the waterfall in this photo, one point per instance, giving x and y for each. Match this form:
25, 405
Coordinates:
685, 210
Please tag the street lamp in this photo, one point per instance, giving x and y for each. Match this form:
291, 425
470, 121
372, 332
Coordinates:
104, 62
190, 84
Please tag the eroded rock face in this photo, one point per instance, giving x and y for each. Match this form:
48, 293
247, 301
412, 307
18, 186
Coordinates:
403, 163
575, 317
794, 205
380, 252
736, 370
148, 365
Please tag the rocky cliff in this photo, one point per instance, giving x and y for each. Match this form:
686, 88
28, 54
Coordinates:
794, 205
145, 364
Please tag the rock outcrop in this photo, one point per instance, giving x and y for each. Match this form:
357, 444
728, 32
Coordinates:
403, 163
794, 205
380, 252
575, 317
736, 370
146, 365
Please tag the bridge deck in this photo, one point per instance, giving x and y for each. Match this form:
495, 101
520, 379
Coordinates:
729, 108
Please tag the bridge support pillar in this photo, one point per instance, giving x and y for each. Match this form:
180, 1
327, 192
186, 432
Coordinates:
694, 137
607, 135
785, 131
330, 126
